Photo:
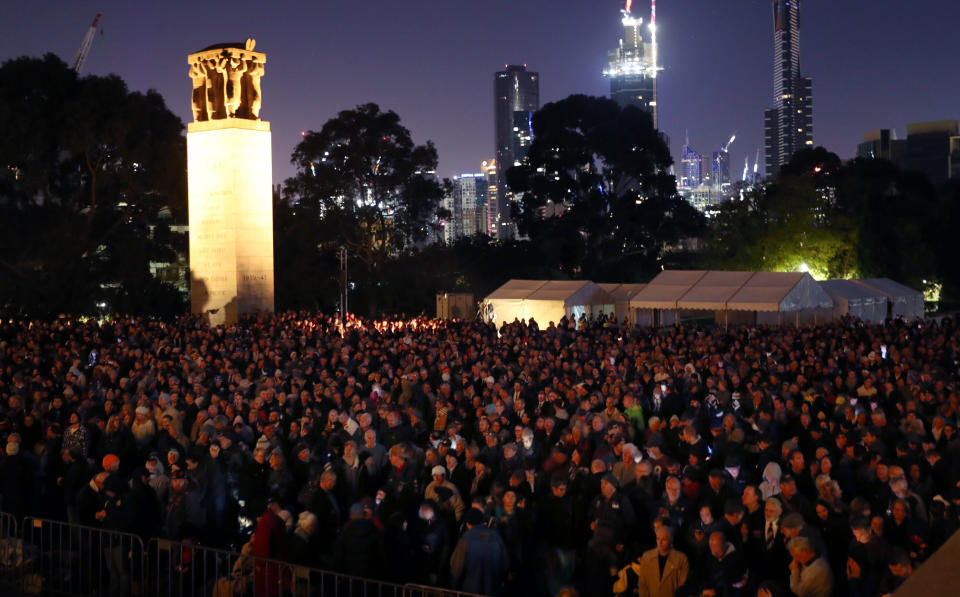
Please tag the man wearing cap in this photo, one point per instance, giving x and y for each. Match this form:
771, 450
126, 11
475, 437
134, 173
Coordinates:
612, 511
444, 493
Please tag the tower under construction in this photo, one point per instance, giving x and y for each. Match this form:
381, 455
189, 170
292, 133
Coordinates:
632, 69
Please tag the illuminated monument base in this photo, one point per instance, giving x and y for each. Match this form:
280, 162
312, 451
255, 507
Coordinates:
231, 218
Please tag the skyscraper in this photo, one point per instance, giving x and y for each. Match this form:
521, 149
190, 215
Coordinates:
691, 171
516, 96
788, 125
633, 64
467, 204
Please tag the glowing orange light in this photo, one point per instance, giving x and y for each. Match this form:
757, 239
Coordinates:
629, 4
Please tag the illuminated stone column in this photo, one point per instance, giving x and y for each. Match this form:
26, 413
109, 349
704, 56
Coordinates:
230, 181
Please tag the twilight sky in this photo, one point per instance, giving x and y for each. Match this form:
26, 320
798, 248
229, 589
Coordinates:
877, 63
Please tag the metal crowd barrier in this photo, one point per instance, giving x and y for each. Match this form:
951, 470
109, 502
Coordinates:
184, 569
11, 554
59, 558
412, 590
45, 557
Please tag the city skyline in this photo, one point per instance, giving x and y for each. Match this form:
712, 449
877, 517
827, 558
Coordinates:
435, 73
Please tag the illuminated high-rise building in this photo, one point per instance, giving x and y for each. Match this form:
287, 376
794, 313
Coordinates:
467, 204
691, 170
633, 67
788, 125
516, 96
489, 169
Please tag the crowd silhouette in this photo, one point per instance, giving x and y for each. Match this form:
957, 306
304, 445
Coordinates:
537, 458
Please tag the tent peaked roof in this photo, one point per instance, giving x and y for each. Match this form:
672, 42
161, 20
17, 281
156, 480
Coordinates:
904, 301
780, 291
558, 290
888, 287
666, 289
713, 290
516, 290
580, 291
850, 290
622, 292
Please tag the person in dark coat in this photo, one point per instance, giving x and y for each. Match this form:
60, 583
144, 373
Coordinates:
145, 509
16, 482
76, 474
480, 560
359, 548
322, 501
90, 500
724, 566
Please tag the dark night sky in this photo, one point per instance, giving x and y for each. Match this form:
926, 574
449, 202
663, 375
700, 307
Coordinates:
874, 64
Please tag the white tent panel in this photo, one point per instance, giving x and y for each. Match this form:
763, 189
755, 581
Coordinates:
856, 300
505, 304
781, 291
713, 290
904, 301
765, 291
516, 289
666, 289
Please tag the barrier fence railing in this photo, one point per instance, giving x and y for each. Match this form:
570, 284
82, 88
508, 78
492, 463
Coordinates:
412, 590
11, 553
60, 558
46, 557
184, 569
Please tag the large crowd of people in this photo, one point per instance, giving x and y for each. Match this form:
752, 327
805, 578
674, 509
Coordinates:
541, 458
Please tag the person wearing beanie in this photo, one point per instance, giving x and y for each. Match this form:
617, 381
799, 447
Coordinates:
480, 561
612, 511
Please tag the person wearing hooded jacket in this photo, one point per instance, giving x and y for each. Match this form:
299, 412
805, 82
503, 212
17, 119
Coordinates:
770, 487
480, 560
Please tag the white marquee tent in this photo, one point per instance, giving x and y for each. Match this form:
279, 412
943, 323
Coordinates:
856, 300
783, 297
903, 301
546, 301
622, 294
733, 297
506, 303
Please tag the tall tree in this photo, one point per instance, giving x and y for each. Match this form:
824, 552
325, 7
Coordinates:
596, 194
372, 189
85, 167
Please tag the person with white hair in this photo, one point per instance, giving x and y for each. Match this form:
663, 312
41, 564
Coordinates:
302, 550
625, 468
810, 574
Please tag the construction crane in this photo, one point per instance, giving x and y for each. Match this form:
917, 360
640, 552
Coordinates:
84, 48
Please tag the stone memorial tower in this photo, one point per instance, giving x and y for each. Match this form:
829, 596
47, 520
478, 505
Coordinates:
230, 179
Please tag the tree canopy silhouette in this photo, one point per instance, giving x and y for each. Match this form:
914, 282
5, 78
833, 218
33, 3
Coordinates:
596, 193
86, 166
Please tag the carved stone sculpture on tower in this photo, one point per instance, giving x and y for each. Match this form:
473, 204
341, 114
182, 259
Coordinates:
226, 81
229, 186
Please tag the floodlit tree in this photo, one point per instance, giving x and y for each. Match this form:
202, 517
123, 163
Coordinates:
596, 194
862, 218
86, 166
